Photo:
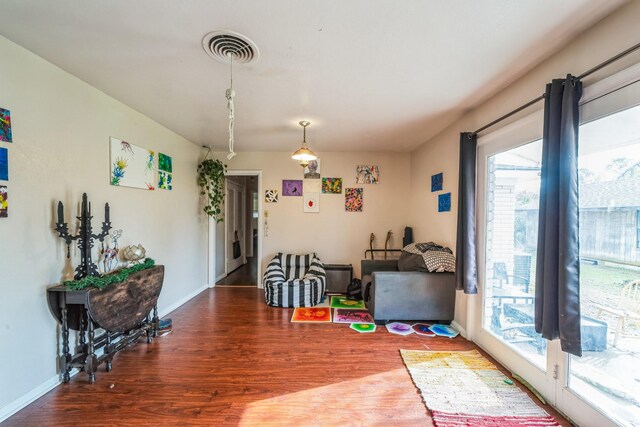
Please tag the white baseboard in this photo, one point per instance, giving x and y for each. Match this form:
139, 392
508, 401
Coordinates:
459, 328
182, 301
31, 396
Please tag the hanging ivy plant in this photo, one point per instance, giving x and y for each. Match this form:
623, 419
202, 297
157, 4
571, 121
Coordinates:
211, 181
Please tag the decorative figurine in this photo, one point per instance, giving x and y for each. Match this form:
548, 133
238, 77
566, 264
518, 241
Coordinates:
134, 254
85, 237
109, 255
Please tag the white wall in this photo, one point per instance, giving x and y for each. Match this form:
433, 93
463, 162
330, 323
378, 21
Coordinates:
610, 36
335, 235
61, 129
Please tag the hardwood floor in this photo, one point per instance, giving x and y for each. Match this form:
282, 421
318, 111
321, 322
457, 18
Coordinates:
231, 360
246, 275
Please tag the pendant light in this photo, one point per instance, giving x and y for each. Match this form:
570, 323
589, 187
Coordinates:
304, 155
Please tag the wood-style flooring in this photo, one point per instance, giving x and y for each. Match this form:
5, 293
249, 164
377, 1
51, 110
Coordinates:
245, 275
233, 361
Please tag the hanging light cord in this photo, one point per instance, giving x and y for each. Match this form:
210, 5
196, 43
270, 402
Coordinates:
230, 94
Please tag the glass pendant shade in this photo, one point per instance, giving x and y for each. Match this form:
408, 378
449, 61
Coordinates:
304, 155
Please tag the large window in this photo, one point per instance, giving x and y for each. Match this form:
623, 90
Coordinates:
608, 374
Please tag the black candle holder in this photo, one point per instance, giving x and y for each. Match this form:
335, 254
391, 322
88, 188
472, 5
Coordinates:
85, 237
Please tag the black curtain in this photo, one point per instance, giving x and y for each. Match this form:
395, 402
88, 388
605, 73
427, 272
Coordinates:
466, 269
557, 304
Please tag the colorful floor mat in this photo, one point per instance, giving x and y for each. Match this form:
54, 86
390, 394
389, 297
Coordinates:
311, 314
463, 388
343, 302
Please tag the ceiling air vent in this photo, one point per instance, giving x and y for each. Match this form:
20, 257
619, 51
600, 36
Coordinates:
222, 44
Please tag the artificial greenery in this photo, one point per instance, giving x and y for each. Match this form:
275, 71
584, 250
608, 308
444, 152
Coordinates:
115, 277
211, 174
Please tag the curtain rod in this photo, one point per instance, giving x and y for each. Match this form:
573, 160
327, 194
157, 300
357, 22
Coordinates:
541, 97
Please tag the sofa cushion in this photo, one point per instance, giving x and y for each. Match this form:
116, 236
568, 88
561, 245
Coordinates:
411, 262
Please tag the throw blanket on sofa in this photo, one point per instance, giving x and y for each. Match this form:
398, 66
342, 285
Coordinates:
438, 259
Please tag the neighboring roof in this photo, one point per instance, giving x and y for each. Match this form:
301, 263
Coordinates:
622, 193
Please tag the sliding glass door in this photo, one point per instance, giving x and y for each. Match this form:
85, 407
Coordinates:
601, 388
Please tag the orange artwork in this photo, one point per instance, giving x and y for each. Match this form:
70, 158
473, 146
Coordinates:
311, 314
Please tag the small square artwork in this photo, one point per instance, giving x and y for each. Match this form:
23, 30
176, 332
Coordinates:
4, 164
338, 301
436, 182
347, 315
164, 180
312, 202
312, 171
165, 163
132, 166
292, 187
5, 125
4, 202
271, 196
444, 202
311, 315
367, 174
332, 185
353, 200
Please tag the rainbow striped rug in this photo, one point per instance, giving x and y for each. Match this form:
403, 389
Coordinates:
463, 388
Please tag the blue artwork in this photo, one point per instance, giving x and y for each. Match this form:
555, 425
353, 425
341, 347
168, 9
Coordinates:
436, 182
4, 164
444, 202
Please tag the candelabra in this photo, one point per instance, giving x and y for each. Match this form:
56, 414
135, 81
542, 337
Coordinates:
85, 237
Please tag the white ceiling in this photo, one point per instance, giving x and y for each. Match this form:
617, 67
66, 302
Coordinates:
375, 75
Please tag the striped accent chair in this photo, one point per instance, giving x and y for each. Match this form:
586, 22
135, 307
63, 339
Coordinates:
294, 281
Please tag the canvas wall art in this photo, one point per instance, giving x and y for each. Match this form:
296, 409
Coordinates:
4, 201
444, 202
367, 174
165, 163
332, 185
312, 202
436, 182
165, 180
292, 187
132, 166
5, 125
271, 196
312, 171
353, 200
4, 164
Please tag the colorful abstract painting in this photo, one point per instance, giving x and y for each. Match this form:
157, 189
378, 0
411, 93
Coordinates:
311, 314
5, 125
4, 202
332, 185
312, 202
344, 302
399, 328
367, 174
165, 180
444, 202
271, 196
436, 182
132, 166
345, 315
353, 200
312, 171
165, 163
292, 187
363, 328
4, 164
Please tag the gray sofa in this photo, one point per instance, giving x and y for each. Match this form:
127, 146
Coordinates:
407, 295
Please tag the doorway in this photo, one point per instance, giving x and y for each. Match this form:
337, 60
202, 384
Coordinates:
240, 231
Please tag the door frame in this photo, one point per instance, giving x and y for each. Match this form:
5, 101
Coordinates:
243, 212
212, 255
